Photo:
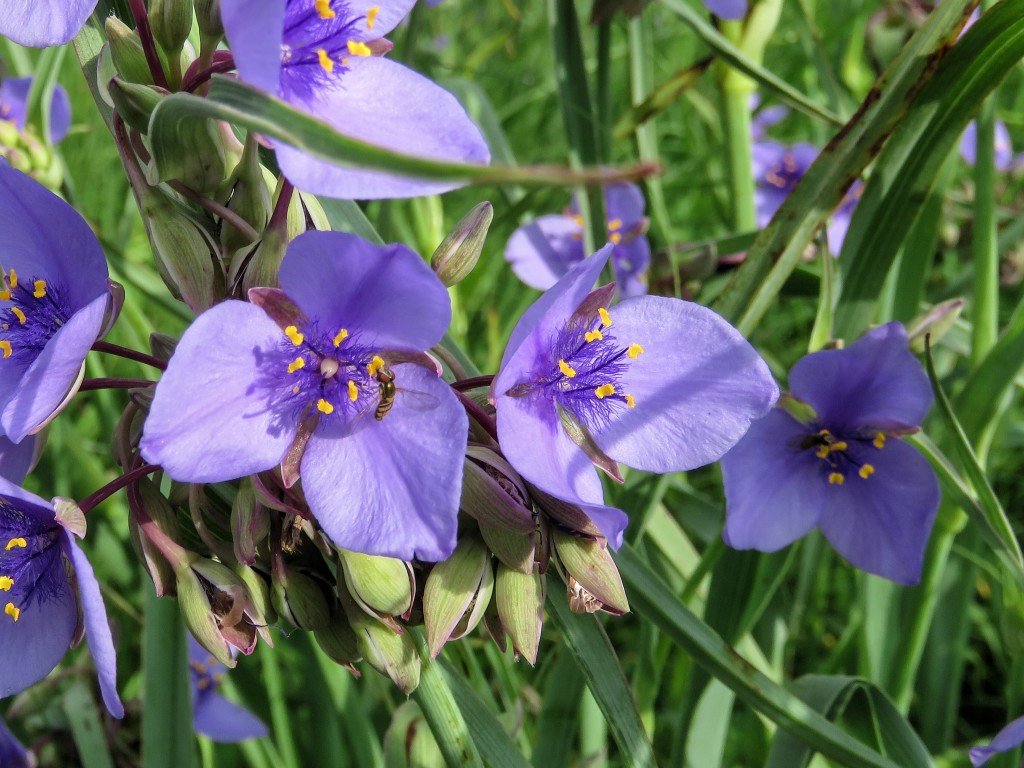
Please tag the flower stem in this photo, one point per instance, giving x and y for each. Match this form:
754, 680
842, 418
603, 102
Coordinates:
474, 382
138, 8
736, 89
279, 218
129, 354
91, 385
102, 494
222, 62
985, 328
225, 213
479, 414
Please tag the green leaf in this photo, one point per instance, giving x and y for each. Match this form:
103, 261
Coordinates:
560, 714
40, 96
86, 728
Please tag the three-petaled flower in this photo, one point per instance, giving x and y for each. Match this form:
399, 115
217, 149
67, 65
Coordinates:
14, 93
1010, 737
659, 384
212, 715
325, 57
325, 375
832, 458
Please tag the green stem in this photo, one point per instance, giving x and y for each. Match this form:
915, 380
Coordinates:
736, 90
443, 714
593, 732
985, 328
280, 714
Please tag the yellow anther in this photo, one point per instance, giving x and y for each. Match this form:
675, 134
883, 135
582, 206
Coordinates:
203, 684
593, 336
606, 319
324, 407
325, 61
293, 335
6, 582
295, 389
297, 364
18, 314
371, 16
879, 441
342, 335
577, 219
835, 479
12, 610
323, 8
605, 390
353, 391
615, 238
630, 401
5, 292
839, 445
822, 452
376, 363
615, 224
12, 279
16, 543
576, 235
39, 289
358, 49
634, 351
866, 471
567, 370
5, 346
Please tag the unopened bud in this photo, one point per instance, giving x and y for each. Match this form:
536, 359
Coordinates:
171, 21
408, 741
382, 586
299, 599
338, 640
126, 52
250, 199
250, 523
520, 601
133, 102
193, 154
593, 580
460, 250
256, 266
162, 346
208, 18
495, 497
159, 510
392, 653
457, 592
10, 136
567, 515
935, 323
261, 608
216, 606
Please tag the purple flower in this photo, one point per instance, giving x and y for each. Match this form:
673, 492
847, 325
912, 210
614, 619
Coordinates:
1010, 737
213, 715
12, 753
841, 466
542, 252
327, 378
46, 578
40, 23
1005, 159
14, 106
659, 384
17, 459
55, 301
325, 57
727, 9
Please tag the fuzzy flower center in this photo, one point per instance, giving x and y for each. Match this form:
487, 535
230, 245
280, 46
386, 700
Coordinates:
31, 571
319, 41
616, 233
785, 173
33, 313
208, 674
843, 458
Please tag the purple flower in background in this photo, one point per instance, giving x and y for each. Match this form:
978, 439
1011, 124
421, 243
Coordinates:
659, 384
14, 106
40, 23
730, 10
542, 252
1009, 738
323, 374
325, 57
55, 301
213, 715
840, 466
1005, 159
42, 596
12, 753
17, 459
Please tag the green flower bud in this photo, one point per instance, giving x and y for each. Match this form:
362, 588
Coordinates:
495, 496
299, 599
460, 250
193, 154
250, 523
250, 199
10, 136
126, 51
456, 593
133, 102
216, 607
160, 511
162, 346
593, 580
519, 598
408, 742
211, 29
338, 640
262, 611
256, 266
565, 514
381, 586
391, 653
171, 21
934, 322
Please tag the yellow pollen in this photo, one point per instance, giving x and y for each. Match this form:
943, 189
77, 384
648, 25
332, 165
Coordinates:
879, 441
866, 471
376, 363
342, 335
567, 370
293, 335
297, 364
6, 582
18, 314
630, 401
634, 351
835, 479
615, 238
606, 319
593, 336
605, 390
295, 389
12, 610
839, 446
371, 16
325, 61
324, 407
12, 279
615, 224
6, 347
40, 289
358, 49
577, 219
822, 452
323, 7
17, 543
5, 292
353, 391
576, 235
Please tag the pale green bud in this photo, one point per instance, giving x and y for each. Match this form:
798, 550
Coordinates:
171, 21
338, 640
593, 580
133, 102
934, 322
391, 653
160, 512
460, 250
495, 496
193, 154
126, 52
250, 199
408, 741
381, 586
519, 598
299, 599
208, 18
456, 593
250, 523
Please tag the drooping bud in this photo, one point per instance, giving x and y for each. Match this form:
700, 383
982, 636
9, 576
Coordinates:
797, 408
250, 199
593, 580
298, 598
126, 52
338, 641
495, 496
171, 21
381, 586
261, 612
408, 742
133, 102
216, 607
519, 598
457, 593
565, 514
146, 495
162, 346
935, 322
392, 653
460, 250
250, 523
193, 154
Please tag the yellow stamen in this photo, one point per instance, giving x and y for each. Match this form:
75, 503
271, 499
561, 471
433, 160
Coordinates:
605, 390
615, 238
5, 292
835, 479
324, 407
295, 389
18, 314
12, 610
6, 582
297, 364
358, 49
593, 336
615, 224
376, 363
839, 445
630, 401
577, 219
866, 471
40, 289
293, 335
567, 370
325, 61
342, 335
353, 391
323, 7
634, 351
5, 346
12, 279
879, 440
16, 543
371, 16
576, 235
822, 452
606, 319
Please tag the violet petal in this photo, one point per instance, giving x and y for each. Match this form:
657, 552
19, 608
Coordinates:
543, 251
40, 23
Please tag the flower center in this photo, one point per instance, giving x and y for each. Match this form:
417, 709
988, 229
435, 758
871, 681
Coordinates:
32, 314
319, 39
30, 567
206, 674
840, 459
785, 173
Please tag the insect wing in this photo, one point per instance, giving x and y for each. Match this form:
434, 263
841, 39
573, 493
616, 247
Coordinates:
410, 399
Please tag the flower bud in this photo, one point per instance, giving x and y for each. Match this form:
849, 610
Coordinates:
133, 102
126, 52
158, 509
261, 613
211, 29
338, 640
193, 154
250, 523
216, 607
250, 199
171, 21
460, 250
299, 599
593, 580
496, 498
456, 593
408, 741
256, 266
381, 586
935, 322
392, 653
565, 514
519, 598
162, 346
10, 136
